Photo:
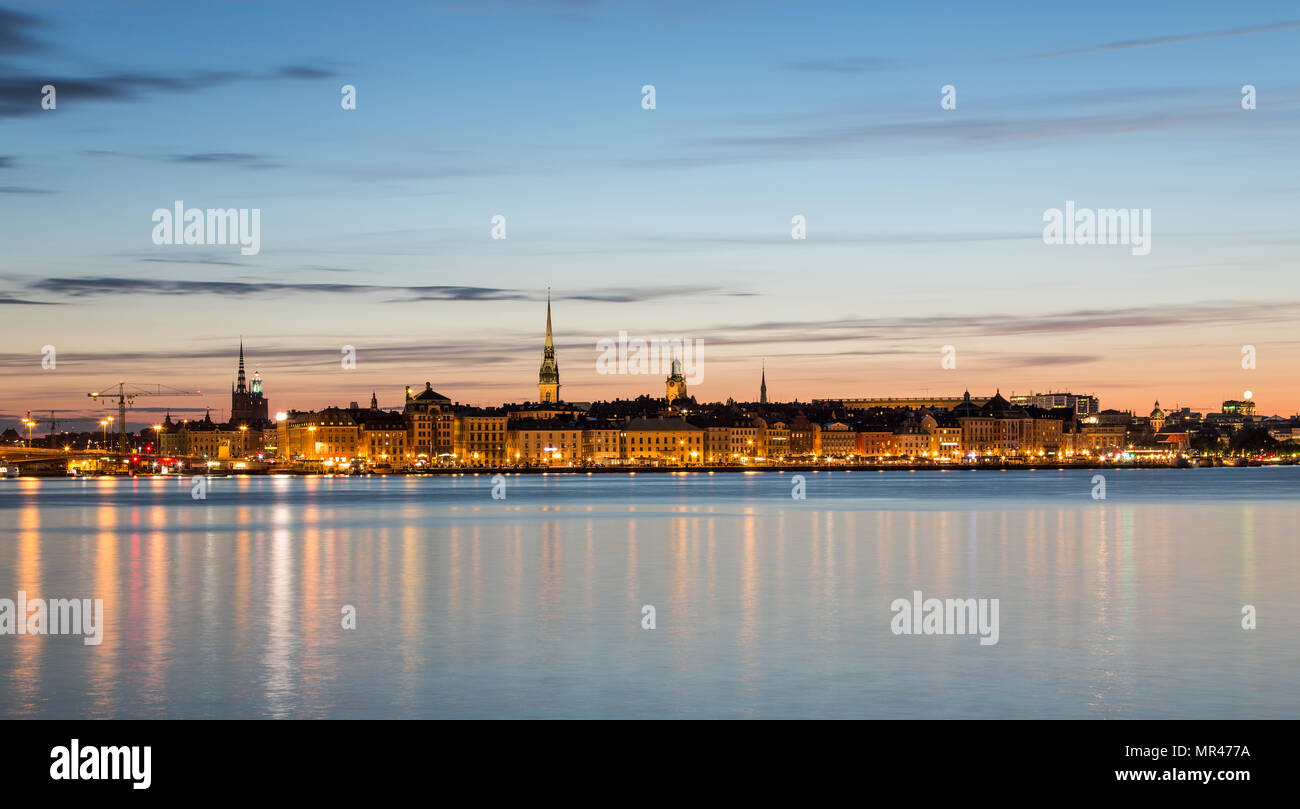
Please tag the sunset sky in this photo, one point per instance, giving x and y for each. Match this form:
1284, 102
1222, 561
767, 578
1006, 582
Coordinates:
924, 225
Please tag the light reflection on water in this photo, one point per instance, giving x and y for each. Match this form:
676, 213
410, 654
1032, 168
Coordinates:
766, 606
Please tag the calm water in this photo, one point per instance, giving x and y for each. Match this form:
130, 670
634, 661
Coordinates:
766, 606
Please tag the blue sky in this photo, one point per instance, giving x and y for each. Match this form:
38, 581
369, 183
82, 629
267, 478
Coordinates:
924, 225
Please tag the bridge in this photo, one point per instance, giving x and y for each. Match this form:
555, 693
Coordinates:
42, 457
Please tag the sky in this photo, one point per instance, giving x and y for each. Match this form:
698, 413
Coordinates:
924, 225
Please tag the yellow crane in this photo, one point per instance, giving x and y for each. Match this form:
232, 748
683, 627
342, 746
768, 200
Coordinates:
125, 397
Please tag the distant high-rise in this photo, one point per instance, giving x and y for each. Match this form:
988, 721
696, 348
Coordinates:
247, 405
762, 388
548, 378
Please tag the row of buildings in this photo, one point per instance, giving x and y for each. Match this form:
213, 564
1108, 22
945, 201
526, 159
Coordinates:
432, 430
676, 430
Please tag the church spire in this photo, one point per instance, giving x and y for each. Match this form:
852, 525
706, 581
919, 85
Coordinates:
550, 342
241, 387
548, 378
762, 388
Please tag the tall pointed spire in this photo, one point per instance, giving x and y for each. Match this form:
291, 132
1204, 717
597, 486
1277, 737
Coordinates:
550, 342
548, 378
762, 388
241, 387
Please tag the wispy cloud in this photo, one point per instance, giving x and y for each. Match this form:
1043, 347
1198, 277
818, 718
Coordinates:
1152, 42
90, 286
244, 160
851, 65
16, 32
1003, 325
924, 134
20, 94
5, 300
239, 159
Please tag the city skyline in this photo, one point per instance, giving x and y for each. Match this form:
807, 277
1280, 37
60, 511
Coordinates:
247, 402
924, 225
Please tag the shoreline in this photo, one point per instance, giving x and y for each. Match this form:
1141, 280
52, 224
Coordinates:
777, 468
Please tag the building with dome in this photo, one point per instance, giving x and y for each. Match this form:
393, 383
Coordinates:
1158, 417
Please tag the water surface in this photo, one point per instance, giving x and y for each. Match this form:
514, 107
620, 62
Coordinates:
766, 606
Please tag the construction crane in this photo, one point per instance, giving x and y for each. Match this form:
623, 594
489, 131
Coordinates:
53, 421
126, 397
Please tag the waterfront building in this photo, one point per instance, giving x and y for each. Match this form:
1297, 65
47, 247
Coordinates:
544, 442
911, 439
874, 442
733, 439
805, 436
479, 436
213, 441
662, 441
601, 445
427, 400
1101, 439
430, 425
834, 439
776, 442
945, 436
382, 436
171, 441
331, 434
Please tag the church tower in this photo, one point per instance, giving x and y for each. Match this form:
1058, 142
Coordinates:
762, 387
247, 404
548, 378
676, 383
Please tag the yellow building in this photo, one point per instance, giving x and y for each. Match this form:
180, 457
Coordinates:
382, 438
207, 439
835, 440
669, 442
544, 442
331, 434
737, 442
480, 437
601, 445
1100, 439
